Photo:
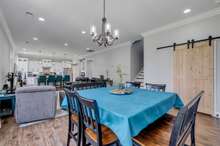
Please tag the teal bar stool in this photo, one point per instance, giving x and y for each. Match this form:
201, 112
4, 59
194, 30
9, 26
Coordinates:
66, 78
42, 79
51, 80
59, 79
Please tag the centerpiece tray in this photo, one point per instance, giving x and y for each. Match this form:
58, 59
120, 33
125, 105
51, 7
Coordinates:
122, 91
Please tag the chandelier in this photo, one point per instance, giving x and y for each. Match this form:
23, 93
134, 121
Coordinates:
106, 38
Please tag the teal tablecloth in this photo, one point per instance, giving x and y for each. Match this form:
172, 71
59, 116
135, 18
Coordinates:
127, 115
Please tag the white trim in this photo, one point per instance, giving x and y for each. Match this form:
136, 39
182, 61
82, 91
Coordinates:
183, 22
128, 44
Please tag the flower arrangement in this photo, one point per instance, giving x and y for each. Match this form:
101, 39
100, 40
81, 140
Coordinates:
120, 74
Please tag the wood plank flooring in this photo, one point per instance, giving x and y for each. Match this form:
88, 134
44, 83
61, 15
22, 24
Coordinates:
50, 133
54, 132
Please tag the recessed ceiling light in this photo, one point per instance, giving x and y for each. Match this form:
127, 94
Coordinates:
35, 38
29, 13
41, 19
187, 11
83, 32
90, 50
65, 44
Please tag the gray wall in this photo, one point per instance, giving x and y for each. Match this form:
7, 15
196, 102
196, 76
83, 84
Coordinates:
109, 59
137, 58
158, 63
4, 53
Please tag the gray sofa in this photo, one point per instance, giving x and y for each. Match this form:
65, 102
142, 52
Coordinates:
35, 103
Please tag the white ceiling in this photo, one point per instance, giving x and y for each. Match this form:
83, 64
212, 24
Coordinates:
66, 18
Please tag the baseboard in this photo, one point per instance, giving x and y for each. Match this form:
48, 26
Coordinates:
61, 113
32, 123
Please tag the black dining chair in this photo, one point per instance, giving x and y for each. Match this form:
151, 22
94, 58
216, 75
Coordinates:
90, 85
74, 130
156, 87
104, 84
94, 132
181, 127
133, 84
99, 85
76, 87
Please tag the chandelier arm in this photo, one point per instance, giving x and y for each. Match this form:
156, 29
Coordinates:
110, 43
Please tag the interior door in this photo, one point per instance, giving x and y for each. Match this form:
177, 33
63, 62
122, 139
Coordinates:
193, 71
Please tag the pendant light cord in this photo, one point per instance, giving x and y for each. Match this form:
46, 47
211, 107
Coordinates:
104, 8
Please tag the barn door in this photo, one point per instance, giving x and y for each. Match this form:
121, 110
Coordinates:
193, 71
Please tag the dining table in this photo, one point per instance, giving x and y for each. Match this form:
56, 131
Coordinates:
127, 115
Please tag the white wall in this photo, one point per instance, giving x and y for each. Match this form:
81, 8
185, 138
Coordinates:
158, 63
109, 59
5, 48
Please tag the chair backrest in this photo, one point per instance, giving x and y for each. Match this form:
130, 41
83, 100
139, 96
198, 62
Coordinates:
104, 84
69, 87
132, 84
51, 78
66, 78
73, 102
59, 78
185, 122
90, 117
42, 78
155, 87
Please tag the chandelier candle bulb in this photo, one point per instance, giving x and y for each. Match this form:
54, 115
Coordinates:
116, 34
108, 28
92, 30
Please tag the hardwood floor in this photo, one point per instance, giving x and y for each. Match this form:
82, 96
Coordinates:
50, 133
54, 133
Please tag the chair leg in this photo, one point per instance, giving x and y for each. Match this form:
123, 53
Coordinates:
83, 137
79, 135
193, 141
118, 143
68, 140
69, 130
